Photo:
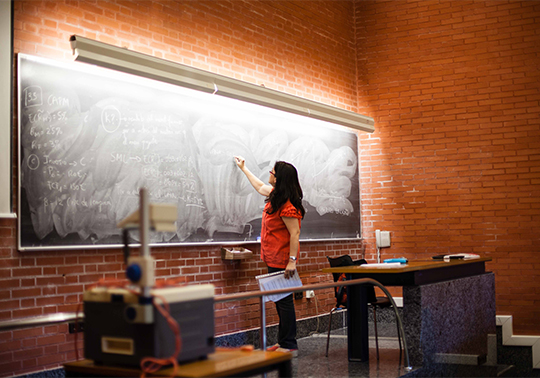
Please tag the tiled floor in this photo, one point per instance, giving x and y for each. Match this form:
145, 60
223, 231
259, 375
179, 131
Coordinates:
311, 361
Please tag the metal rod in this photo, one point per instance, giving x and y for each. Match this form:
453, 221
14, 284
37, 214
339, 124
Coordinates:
60, 317
144, 231
400, 324
144, 221
326, 285
263, 323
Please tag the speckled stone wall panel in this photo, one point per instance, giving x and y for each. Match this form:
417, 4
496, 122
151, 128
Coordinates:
412, 323
449, 317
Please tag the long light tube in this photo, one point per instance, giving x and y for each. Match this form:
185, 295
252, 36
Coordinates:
122, 59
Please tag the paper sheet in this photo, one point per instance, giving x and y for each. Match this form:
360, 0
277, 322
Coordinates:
382, 265
275, 281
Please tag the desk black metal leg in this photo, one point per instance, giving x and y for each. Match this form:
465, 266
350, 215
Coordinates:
285, 369
357, 318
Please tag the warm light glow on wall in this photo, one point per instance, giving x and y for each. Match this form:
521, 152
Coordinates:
121, 59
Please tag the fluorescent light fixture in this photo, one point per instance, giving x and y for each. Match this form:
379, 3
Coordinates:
122, 59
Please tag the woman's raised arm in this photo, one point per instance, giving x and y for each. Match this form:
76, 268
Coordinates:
257, 184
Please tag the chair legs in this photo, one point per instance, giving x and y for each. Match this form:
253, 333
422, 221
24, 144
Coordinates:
399, 339
329, 329
376, 334
375, 327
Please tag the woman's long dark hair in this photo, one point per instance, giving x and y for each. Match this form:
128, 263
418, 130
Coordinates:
287, 187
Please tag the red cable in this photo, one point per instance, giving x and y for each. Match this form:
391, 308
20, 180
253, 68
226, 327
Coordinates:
152, 364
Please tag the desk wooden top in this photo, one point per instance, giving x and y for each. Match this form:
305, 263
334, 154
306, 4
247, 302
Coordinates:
222, 363
411, 266
418, 272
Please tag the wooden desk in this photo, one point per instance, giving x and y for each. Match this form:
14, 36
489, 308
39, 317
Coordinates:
419, 272
222, 363
412, 275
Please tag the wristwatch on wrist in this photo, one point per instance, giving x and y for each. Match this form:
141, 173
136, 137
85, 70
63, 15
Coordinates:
293, 258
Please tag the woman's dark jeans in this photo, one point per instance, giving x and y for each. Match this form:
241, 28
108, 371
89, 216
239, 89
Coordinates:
287, 319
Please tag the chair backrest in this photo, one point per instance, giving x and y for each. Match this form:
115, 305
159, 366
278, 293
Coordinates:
344, 260
341, 291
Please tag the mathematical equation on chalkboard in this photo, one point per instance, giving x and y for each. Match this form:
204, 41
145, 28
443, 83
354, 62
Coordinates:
88, 143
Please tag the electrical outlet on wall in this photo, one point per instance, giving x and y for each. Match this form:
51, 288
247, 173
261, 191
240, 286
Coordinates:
76, 327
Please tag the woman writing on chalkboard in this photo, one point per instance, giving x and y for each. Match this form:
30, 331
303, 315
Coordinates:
280, 237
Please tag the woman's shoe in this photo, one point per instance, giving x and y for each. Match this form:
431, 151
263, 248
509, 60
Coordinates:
294, 352
273, 348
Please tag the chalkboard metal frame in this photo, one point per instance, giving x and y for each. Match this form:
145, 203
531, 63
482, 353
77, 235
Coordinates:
83, 98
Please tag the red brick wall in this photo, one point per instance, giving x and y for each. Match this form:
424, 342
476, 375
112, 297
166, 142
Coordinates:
454, 164
303, 48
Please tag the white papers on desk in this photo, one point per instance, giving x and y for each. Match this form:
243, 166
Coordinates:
462, 256
275, 281
382, 265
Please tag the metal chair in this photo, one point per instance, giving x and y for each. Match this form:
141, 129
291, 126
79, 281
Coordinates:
341, 298
382, 302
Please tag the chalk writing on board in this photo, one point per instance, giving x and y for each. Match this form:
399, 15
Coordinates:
89, 142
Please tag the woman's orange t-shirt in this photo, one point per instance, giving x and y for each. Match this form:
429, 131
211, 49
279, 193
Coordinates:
275, 238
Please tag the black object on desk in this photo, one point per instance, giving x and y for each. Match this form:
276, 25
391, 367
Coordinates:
450, 257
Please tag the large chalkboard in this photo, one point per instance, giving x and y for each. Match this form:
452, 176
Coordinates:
91, 137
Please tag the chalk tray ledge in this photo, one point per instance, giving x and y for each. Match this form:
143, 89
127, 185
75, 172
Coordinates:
235, 253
